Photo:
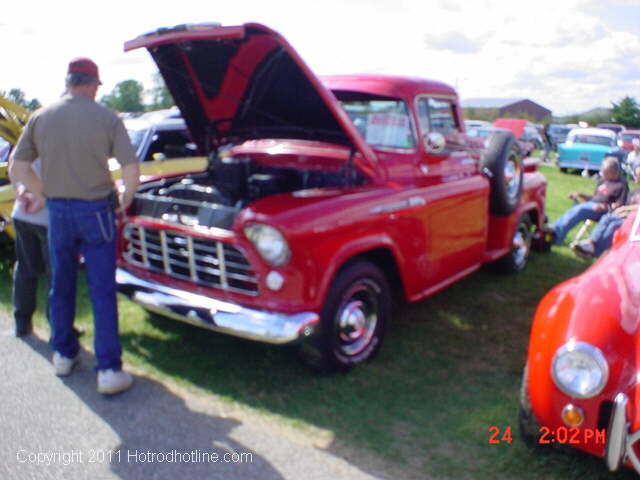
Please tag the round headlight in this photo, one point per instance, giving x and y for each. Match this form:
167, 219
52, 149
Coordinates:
269, 242
580, 369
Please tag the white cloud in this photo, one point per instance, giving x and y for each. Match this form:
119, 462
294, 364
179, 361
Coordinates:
569, 55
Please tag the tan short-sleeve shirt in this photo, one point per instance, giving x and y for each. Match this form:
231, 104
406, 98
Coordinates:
74, 138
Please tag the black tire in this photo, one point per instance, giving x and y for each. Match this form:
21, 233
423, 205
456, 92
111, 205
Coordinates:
353, 320
504, 161
516, 260
564, 170
529, 426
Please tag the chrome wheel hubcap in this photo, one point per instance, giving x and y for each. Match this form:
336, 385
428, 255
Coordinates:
357, 321
512, 177
521, 245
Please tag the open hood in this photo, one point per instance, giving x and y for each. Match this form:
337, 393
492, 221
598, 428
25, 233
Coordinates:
246, 82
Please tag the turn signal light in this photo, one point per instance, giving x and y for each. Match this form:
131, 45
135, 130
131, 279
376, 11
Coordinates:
572, 416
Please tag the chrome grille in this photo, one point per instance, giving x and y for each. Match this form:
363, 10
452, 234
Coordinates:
208, 263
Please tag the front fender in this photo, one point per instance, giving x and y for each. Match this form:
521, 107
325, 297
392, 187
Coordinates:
601, 307
357, 247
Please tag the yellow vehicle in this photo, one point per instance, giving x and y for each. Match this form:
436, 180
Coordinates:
162, 144
12, 119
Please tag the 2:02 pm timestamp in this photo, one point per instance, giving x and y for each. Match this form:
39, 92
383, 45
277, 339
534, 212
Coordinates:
548, 436
572, 435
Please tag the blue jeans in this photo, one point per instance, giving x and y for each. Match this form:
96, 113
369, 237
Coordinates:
576, 214
602, 235
87, 228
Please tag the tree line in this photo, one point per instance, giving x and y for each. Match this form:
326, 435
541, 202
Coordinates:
625, 112
129, 96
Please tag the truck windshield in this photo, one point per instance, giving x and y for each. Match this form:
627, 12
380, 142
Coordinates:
594, 140
383, 123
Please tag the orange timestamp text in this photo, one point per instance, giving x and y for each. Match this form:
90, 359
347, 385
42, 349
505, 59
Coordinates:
547, 436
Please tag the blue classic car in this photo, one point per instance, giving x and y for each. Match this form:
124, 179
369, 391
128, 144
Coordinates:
585, 148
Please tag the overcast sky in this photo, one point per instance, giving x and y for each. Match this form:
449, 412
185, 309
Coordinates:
567, 55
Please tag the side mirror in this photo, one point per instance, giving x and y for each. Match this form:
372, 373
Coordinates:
434, 142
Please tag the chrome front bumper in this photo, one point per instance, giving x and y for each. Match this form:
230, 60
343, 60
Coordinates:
619, 440
217, 315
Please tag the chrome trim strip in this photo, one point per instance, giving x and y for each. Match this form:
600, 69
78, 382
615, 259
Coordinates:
222, 264
411, 202
217, 315
143, 245
183, 256
192, 259
165, 253
616, 446
635, 229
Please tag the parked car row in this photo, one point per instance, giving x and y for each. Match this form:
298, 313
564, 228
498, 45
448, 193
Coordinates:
578, 148
585, 148
527, 138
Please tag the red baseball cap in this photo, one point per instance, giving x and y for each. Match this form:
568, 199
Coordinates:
84, 65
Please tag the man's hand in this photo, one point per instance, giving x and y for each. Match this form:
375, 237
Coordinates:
124, 199
36, 202
624, 211
131, 179
575, 196
29, 202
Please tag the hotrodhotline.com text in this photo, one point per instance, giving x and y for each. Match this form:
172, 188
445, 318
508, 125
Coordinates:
129, 456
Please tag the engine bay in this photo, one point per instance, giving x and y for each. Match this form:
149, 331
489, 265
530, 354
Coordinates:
213, 198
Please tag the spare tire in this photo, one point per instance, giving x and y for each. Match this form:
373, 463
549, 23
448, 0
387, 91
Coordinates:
504, 162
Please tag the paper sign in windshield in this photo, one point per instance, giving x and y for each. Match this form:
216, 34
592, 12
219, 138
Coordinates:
388, 129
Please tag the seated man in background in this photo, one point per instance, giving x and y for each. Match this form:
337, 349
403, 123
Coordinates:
610, 193
602, 236
633, 157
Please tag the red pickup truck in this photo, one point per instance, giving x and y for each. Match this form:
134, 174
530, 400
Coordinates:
323, 198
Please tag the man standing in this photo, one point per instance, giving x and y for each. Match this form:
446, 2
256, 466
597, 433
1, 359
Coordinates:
74, 139
32, 258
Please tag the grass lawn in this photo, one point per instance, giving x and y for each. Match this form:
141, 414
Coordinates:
449, 370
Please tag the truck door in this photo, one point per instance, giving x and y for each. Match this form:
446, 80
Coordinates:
455, 193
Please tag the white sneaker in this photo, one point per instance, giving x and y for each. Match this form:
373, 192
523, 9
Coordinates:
63, 365
113, 381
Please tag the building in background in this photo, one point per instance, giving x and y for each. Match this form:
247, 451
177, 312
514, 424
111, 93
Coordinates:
492, 108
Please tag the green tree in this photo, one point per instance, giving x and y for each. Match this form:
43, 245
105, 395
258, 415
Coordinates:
33, 104
486, 114
126, 97
16, 95
627, 112
160, 96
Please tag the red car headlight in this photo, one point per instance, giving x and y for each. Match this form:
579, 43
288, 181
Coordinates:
579, 369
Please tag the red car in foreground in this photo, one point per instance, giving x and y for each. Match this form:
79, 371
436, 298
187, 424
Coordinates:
323, 197
581, 385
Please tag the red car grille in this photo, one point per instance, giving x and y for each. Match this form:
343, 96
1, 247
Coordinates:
208, 263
